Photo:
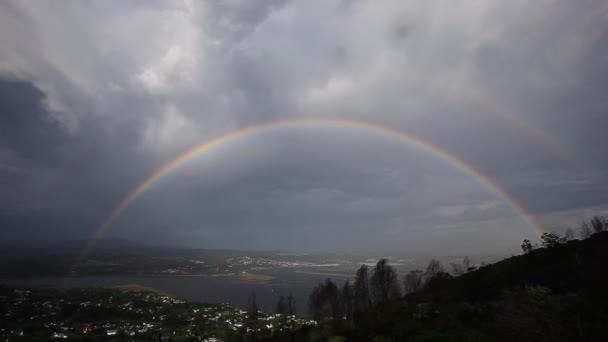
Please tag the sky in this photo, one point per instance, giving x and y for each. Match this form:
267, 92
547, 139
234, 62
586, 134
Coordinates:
96, 96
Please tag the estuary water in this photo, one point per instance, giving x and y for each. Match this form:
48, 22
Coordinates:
210, 289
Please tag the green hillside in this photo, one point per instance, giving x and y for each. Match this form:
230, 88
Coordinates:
548, 294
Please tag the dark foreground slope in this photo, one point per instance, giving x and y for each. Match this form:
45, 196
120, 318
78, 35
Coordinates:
549, 294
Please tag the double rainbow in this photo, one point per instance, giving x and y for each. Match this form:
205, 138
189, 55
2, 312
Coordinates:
271, 126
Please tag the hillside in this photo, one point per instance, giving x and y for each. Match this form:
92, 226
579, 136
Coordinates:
549, 294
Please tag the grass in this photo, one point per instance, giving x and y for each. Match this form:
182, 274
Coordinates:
255, 277
141, 288
329, 274
247, 276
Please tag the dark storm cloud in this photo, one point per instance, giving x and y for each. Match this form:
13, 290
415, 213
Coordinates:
89, 113
25, 124
54, 183
29, 140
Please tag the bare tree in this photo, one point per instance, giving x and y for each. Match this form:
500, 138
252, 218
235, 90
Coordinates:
466, 263
413, 281
346, 300
460, 269
598, 223
585, 230
457, 269
324, 301
384, 284
569, 235
433, 269
362, 300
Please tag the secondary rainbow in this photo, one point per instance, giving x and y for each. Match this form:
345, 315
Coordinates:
489, 105
296, 122
540, 137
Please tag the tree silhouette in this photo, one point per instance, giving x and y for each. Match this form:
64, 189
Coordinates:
598, 223
252, 307
281, 306
347, 297
291, 305
526, 246
585, 230
362, 300
384, 284
460, 269
569, 235
433, 269
324, 301
466, 262
551, 239
413, 281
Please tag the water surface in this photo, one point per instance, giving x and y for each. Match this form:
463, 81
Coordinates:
201, 288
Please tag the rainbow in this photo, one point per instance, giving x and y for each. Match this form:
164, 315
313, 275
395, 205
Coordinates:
487, 104
256, 129
535, 134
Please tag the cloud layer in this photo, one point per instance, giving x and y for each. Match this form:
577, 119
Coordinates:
95, 96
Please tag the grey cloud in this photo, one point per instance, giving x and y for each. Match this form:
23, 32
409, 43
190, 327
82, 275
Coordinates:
111, 91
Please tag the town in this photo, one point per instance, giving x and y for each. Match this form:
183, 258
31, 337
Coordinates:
131, 313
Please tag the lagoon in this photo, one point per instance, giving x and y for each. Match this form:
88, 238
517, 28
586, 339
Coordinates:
210, 289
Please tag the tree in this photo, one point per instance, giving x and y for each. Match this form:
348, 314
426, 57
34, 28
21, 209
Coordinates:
457, 269
291, 305
316, 302
383, 283
460, 269
433, 269
598, 223
324, 301
347, 296
291, 311
585, 230
526, 246
466, 262
281, 306
332, 297
413, 281
252, 307
569, 235
551, 239
362, 300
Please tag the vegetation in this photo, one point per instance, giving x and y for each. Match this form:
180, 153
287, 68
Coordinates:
384, 284
555, 291
141, 288
134, 314
255, 277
